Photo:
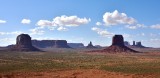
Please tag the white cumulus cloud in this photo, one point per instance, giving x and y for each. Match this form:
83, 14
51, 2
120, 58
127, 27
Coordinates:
7, 41
136, 26
61, 22
11, 33
102, 32
157, 26
98, 23
70, 21
131, 27
62, 29
126, 35
64, 21
2, 21
116, 18
44, 23
16, 32
26, 21
2, 33
37, 31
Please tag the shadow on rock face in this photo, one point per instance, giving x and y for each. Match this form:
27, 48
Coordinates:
23, 43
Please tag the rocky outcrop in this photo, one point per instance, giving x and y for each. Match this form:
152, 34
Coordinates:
126, 43
134, 45
43, 43
139, 45
76, 45
117, 40
90, 45
50, 43
117, 46
61, 44
23, 43
23, 40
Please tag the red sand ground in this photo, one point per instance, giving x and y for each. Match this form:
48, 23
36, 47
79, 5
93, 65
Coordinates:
86, 73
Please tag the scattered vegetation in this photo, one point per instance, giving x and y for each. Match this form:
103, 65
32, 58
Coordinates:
141, 63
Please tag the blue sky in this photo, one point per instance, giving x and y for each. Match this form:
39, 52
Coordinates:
81, 20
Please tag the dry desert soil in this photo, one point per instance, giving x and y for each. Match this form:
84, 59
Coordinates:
69, 63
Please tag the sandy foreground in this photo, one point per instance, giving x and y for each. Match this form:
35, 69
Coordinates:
86, 73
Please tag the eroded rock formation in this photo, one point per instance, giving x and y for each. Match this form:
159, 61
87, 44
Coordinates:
50, 43
23, 40
117, 40
135, 45
23, 43
61, 44
139, 45
126, 43
117, 46
76, 45
43, 43
90, 45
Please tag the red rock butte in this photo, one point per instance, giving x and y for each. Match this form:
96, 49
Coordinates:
117, 40
23, 43
117, 46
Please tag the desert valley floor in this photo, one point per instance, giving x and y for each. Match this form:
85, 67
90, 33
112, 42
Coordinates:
77, 63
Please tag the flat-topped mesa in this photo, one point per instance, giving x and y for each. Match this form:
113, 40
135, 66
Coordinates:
50, 43
61, 44
76, 45
23, 43
43, 43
